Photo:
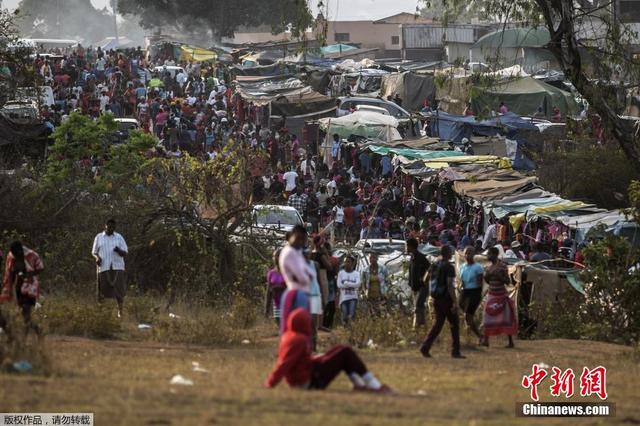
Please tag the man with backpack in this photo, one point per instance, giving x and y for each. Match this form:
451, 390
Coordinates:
441, 277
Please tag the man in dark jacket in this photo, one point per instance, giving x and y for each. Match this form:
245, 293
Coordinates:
418, 267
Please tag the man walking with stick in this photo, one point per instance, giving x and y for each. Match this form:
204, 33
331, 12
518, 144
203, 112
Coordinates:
109, 250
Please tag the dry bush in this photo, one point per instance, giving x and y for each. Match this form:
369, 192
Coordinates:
21, 343
78, 318
209, 328
386, 330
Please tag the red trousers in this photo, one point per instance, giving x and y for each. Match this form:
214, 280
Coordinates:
327, 366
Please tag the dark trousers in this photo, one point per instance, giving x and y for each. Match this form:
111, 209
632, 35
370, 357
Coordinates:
326, 367
329, 313
442, 308
419, 306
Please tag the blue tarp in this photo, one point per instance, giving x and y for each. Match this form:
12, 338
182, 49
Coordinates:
455, 127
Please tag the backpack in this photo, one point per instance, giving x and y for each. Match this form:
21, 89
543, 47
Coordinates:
436, 289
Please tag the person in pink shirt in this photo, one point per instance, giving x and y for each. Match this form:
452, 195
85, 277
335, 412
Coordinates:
503, 108
297, 276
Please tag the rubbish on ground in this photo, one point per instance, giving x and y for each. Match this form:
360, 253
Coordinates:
22, 366
180, 380
143, 326
246, 342
543, 365
197, 368
172, 315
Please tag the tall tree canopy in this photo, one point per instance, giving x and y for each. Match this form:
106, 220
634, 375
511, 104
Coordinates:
592, 45
76, 19
220, 17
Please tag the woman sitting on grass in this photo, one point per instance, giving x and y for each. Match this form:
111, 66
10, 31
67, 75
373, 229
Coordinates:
301, 370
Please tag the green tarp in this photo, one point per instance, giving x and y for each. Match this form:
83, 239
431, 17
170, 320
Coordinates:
522, 96
513, 37
417, 154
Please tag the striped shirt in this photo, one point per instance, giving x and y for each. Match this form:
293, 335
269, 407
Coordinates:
103, 246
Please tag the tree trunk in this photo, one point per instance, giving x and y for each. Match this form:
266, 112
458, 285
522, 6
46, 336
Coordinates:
564, 46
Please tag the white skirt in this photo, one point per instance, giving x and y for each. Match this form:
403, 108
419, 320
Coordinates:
315, 303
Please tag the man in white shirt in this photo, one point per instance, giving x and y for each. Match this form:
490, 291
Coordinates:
104, 101
109, 250
308, 167
290, 179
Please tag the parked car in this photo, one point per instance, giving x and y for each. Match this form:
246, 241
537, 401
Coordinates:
371, 108
172, 69
125, 125
349, 102
42, 95
23, 112
270, 223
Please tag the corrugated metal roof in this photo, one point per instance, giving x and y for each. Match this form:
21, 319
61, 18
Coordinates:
430, 36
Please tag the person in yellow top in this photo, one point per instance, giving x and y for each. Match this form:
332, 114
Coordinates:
375, 282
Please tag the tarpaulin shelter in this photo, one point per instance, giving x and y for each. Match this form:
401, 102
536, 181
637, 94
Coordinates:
289, 97
522, 46
196, 54
364, 124
522, 96
513, 37
413, 88
414, 154
455, 127
336, 48
19, 139
278, 69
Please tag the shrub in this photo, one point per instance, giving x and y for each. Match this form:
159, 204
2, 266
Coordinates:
19, 344
204, 329
611, 311
385, 330
75, 318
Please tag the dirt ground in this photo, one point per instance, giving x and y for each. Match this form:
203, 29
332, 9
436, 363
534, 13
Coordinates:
127, 383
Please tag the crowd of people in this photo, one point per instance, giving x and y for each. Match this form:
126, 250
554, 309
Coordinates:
347, 193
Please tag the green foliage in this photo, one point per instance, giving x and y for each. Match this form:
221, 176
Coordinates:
222, 17
611, 310
79, 139
78, 318
584, 171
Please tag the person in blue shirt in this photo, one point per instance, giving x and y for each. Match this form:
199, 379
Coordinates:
385, 164
471, 275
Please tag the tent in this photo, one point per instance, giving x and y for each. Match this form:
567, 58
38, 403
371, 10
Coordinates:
336, 48
455, 127
413, 89
110, 43
522, 96
513, 38
196, 54
364, 124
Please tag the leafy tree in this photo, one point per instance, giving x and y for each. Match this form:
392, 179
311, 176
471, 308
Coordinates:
76, 19
612, 307
221, 17
592, 47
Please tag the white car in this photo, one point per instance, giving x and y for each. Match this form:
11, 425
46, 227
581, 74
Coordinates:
352, 102
173, 70
274, 220
391, 253
42, 95
371, 108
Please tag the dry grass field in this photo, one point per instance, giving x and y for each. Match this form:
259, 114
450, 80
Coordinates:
126, 382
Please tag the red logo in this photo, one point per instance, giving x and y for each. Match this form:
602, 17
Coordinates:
592, 381
532, 381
